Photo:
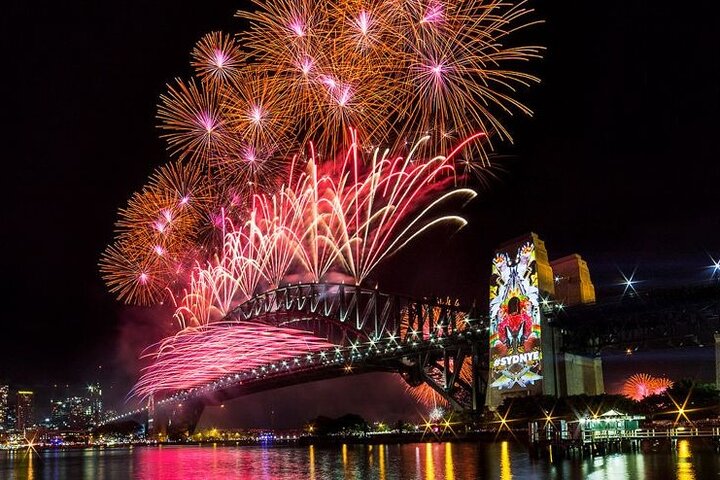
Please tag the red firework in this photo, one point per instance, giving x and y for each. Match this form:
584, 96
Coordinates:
642, 385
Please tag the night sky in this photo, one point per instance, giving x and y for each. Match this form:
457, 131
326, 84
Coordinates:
619, 163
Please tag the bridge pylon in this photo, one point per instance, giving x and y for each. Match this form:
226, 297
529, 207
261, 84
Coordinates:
526, 353
173, 420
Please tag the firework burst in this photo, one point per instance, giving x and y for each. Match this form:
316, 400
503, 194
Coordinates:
427, 395
346, 219
392, 69
642, 385
192, 117
217, 57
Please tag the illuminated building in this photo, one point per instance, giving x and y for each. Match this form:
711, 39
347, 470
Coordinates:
95, 405
77, 413
69, 414
573, 285
3, 406
525, 355
24, 410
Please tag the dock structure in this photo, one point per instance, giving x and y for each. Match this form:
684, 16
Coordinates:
612, 431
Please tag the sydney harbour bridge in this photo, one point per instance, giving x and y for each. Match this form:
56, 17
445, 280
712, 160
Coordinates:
446, 345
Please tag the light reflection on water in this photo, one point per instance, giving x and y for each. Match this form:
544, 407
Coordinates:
505, 468
685, 469
429, 461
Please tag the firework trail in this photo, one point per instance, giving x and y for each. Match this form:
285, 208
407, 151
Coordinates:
182, 362
347, 219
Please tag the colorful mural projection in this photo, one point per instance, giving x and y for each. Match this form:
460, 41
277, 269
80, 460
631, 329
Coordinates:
515, 349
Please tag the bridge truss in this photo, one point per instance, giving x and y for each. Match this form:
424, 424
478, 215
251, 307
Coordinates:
426, 341
656, 319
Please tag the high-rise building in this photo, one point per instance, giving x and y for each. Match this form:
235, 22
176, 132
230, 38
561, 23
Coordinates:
77, 412
24, 410
4, 390
71, 413
95, 405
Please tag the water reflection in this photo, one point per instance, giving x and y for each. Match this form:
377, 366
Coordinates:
505, 469
31, 461
505, 460
685, 469
429, 468
381, 461
311, 461
449, 467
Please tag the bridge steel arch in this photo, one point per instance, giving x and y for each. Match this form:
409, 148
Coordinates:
425, 341
676, 317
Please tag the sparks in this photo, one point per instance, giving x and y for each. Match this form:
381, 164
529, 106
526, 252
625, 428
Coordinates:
297, 26
363, 22
434, 14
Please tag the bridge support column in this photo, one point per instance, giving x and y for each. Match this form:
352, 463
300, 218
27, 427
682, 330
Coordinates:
478, 399
717, 360
175, 421
150, 424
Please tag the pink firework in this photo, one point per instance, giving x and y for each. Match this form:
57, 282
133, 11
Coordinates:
182, 362
345, 219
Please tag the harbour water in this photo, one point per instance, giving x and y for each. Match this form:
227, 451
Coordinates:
420, 461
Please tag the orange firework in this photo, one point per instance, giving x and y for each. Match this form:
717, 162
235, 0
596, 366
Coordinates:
133, 278
157, 234
431, 66
427, 395
256, 110
191, 114
347, 75
642, 385
397, 69
217, 57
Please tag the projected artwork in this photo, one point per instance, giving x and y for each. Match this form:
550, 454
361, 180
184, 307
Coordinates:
515, 349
